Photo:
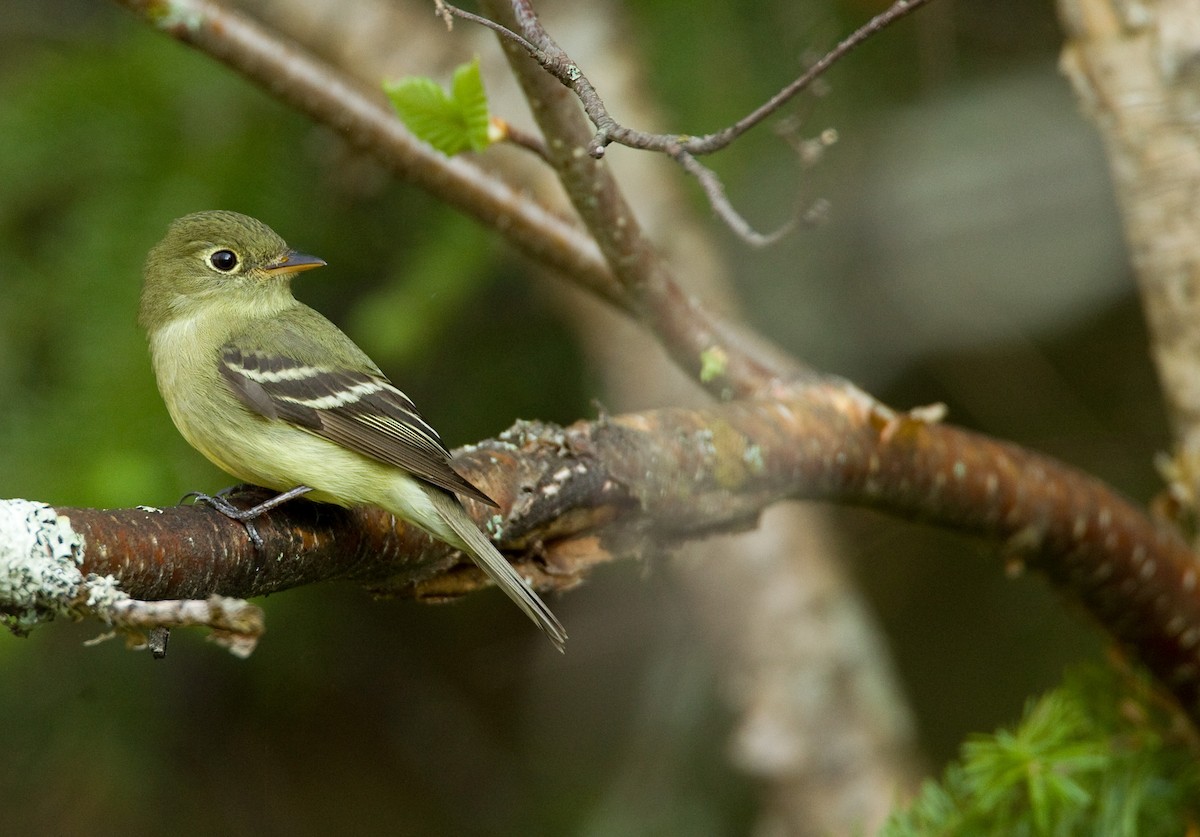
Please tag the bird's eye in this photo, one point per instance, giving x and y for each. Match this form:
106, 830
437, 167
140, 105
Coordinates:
223, 260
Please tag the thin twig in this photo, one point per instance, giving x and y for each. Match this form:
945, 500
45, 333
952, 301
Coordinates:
718, 140
683, 148
553, 58
715, 191
507, 132
447, 12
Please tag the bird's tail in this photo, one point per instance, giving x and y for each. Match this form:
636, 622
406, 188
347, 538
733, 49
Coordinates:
489, 559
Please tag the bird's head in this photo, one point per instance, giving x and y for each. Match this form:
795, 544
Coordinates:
217, 257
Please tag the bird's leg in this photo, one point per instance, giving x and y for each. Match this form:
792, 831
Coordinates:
244, 516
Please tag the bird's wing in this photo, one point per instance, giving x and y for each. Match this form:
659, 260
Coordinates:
358, 410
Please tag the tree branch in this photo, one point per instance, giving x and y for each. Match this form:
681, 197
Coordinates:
727, 359
684, 473
1132, 69
632, 485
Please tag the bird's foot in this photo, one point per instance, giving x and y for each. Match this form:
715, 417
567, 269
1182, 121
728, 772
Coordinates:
245, 516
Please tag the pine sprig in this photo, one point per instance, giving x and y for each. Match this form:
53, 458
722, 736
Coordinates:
1098, 755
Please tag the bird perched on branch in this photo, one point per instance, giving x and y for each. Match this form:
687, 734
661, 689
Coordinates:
276, 395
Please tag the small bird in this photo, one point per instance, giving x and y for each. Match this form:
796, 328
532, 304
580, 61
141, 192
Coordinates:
276, 395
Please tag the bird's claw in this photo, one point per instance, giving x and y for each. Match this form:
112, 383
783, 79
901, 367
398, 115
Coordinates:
243, 516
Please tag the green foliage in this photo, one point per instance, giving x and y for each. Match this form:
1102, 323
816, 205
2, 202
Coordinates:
451, 122
713, 363
1094, 756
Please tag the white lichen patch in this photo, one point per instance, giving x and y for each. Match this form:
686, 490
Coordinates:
39, 563
40, 578
706, 442
103, 593
495, 526
178, 14
753, 457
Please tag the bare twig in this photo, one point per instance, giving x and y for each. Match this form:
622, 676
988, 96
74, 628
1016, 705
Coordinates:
718, 140
683, 148
502, 130
555, 60
449, 12
715, 190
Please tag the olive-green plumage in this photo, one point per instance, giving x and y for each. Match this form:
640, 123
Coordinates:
276, 395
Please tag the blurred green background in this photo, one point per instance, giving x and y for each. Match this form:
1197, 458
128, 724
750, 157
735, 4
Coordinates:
971, 255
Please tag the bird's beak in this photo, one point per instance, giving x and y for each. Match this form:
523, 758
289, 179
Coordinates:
293, 262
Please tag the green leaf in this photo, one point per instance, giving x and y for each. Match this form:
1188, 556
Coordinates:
472, 102
713, 363
451, 122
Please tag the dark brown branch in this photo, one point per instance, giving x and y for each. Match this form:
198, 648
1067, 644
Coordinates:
635, 484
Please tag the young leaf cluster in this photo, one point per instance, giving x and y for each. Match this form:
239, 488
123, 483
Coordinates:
452, 122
